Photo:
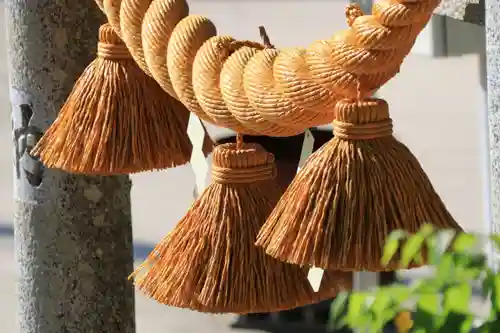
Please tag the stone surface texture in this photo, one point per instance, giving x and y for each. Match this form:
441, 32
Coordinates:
73, 233
492, 27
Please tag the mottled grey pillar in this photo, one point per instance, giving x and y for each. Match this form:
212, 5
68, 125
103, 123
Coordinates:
73, 233
492, 24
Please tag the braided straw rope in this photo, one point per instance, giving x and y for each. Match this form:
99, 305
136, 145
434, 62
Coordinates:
257, 89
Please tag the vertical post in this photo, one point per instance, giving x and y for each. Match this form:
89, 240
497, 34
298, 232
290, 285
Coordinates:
72, 233
492, 28
485, 152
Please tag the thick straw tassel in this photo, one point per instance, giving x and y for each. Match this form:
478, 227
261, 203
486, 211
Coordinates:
351, 193
209, 262
116, 119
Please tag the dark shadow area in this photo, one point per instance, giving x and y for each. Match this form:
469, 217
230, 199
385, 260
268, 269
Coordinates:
474, 12
308, 319
142, 250
6, 230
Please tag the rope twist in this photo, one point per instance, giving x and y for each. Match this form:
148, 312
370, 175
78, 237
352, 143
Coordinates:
257, 89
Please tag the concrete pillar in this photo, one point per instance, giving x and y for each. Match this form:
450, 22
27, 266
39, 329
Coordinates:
492, 25
72, 233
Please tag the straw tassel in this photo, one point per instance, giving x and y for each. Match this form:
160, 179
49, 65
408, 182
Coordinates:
352, 192
116, 119
209, 262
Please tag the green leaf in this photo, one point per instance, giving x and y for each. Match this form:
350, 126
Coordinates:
399, 292
487, 283
391, 246
411, 249
338, 311
382, 300
356, 305
496, 241
469, 266
430, 303
465, 242
424, 321
457, 299
426, 286
490, 326
438, 243
359, 314
445, 271
433, 249
495, 293
457, 323
385, 306
426, 230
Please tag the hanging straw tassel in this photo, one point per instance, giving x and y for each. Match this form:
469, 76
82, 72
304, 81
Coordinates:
209, 262
351, 193
116, 119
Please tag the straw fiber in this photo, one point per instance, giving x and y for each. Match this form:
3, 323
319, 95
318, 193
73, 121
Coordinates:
116, 120
351, 193
209, 262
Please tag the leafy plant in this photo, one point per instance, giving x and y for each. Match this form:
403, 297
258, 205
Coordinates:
439, 303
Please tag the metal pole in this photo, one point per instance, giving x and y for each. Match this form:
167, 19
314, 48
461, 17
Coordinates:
492, 28
72, 233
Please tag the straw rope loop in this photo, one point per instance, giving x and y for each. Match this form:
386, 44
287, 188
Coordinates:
248, 164
362, 120
110, 46
294, 88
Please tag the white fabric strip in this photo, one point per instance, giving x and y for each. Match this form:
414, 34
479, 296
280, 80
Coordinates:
315, 275
196, 133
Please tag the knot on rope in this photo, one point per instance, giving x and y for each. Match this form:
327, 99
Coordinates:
110, 45
352, 12
248, 164
227, 46
362, 120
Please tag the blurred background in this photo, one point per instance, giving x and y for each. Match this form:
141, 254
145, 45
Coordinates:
437, 103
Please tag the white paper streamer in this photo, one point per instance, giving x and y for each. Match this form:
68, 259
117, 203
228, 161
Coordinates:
196, 133
315, 274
